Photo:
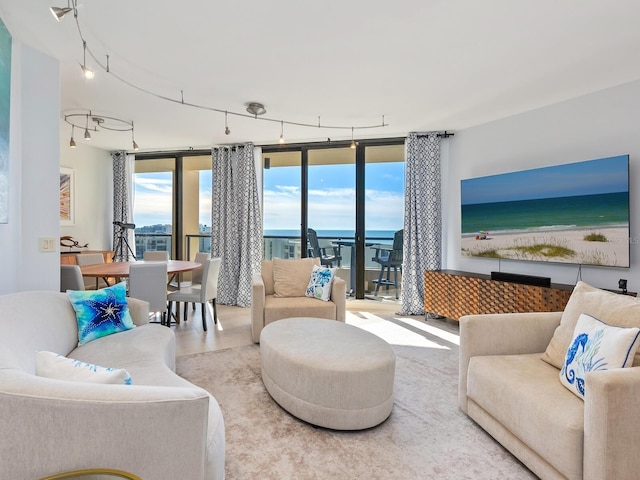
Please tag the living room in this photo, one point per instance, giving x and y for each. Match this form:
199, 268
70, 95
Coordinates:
596, 120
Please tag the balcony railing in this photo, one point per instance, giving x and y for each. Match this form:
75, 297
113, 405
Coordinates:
152, 242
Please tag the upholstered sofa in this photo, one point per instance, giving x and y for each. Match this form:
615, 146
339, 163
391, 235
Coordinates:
279, 292
510, 385
158, 427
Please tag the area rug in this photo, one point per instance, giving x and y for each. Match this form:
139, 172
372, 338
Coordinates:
426, 436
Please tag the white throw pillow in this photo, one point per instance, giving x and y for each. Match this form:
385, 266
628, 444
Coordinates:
597, 346
53, 365
320, 283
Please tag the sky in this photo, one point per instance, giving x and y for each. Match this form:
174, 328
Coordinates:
606, 175
331, 197
152, 202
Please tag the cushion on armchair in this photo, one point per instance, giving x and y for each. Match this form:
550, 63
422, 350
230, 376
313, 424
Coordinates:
610, 308
320, 283
291, 277
596, 346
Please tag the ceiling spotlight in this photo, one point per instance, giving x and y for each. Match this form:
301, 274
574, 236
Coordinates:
353, 143
87, 135
72, 142
281, 132
133, 140
88, 73
227, 131
256, 109
58, 12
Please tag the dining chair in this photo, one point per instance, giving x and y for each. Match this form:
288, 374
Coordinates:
91, 259
71, 278
148, 281
196, 275
207, 291
156, 255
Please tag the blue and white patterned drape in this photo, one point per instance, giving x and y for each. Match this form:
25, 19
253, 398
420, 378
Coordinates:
123, 168
236, 223
422, 248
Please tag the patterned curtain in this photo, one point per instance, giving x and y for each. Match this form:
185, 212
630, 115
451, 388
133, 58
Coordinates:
123, 238
236, 223
422, 218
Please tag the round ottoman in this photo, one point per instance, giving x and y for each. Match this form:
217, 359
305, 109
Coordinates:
328, 373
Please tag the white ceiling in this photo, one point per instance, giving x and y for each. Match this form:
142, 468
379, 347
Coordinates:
424, 65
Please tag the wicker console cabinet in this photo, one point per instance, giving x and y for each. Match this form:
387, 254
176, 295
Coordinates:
453, 294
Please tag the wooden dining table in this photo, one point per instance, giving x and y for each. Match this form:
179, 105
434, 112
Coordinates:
121, 269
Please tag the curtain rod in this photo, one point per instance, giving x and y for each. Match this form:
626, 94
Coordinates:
445, 134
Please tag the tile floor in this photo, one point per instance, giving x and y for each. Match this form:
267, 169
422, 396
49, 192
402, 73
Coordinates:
234, 325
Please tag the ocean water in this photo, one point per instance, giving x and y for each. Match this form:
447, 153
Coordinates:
602, 210
333, 234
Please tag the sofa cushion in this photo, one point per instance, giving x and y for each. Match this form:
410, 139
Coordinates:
320, 283
291, 277
101, 312
611, 308
596, 346
54, 365
276, 308
524, 395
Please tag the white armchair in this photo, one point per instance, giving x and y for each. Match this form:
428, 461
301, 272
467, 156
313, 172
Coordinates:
270, 303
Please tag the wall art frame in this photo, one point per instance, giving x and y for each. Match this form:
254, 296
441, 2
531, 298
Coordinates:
67, 197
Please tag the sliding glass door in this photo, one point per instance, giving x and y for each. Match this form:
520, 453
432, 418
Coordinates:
351, 197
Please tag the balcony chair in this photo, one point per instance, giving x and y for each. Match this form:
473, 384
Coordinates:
71, 278
317, 251
389, 258
148, 282
207, 291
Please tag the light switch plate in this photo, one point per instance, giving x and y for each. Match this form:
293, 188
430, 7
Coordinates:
48, 244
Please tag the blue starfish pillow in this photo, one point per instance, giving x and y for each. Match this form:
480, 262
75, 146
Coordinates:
597, 346
101, 312
320, 283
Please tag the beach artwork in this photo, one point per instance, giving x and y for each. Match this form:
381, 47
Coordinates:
5, 97
573, 213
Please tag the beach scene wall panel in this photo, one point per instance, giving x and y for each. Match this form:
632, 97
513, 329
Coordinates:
572, 213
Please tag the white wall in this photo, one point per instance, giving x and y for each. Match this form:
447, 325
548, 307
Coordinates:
34, 173
93, 179
598, 125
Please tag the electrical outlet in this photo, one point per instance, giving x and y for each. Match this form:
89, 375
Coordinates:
48, 244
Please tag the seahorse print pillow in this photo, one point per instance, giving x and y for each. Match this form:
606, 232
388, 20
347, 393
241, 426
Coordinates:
596, 346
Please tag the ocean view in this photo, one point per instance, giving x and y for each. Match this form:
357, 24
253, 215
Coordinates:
565, 213
334, 234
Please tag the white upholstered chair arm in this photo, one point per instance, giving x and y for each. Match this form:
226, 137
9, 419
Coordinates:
339, 297
139, 310
502, 334
257, 306
612, 424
